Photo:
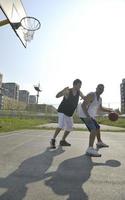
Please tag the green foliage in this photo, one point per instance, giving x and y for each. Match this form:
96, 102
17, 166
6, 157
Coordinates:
17, 123
104, 120
11, 124
119, 123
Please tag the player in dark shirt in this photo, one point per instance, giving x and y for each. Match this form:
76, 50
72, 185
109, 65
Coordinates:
66, 110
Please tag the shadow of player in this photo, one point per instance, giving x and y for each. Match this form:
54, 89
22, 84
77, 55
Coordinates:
31, 170
72, 174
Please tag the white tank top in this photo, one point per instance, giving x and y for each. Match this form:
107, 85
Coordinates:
92, 109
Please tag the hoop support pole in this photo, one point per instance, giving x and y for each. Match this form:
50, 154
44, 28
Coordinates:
4, 22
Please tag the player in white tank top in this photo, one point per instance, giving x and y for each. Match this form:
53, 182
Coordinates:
87, 112
92, 108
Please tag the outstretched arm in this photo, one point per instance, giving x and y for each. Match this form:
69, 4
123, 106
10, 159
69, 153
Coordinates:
87, 100
82, 95
103, 109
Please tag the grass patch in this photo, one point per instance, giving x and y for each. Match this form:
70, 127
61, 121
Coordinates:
8, 124
119, 123
12, 124
104, 120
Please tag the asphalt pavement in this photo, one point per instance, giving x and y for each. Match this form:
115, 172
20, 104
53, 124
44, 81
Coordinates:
30, 170
82, 126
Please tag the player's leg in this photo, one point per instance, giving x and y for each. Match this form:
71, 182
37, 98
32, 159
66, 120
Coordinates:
68, 128
58, 129
63, 142
93, 131
92, 136
99, 144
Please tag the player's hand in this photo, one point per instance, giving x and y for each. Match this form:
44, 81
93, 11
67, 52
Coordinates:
66, 90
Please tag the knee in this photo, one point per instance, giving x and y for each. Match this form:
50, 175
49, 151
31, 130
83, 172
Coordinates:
94, 132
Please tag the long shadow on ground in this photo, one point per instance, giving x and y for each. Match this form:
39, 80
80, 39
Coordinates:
30, 170
72, 174
68, 179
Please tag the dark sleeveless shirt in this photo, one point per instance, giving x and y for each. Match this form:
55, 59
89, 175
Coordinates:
68, 106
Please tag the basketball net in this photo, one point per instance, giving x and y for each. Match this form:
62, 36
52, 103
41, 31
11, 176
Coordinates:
28, 35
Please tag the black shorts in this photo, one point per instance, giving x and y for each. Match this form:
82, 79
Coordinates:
91, 123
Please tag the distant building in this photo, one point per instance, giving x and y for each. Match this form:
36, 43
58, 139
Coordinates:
11, 90
1, 77
122, 91
1, 99
24, 96
32, 99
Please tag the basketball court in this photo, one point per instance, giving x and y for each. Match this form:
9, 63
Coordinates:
16, 16
30, 170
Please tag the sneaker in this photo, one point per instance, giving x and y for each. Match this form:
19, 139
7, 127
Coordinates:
64, 143
101, 145
52, 144
92, 152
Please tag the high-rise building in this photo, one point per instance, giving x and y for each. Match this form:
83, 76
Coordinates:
11, 90
24, 96
32, 99
1, 77
122, 91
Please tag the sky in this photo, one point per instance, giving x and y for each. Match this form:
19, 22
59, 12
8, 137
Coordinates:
82, 39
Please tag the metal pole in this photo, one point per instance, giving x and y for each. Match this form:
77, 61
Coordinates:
37, 97
4, 22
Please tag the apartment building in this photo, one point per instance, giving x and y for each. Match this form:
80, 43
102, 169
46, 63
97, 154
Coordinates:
1, 77
24, 96
32, 99
11, 90
122, 92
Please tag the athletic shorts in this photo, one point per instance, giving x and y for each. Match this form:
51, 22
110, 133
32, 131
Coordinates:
91, 123
65, 122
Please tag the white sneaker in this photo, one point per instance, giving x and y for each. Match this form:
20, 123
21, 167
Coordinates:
92, 152
101, 145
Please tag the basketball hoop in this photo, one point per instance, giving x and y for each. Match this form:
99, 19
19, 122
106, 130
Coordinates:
28, 25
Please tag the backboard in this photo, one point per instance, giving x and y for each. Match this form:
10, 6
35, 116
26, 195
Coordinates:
14, 12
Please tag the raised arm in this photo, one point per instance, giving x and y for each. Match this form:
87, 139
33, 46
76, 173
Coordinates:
64, 92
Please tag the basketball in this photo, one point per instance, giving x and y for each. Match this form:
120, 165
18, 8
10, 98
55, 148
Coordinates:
113, 116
